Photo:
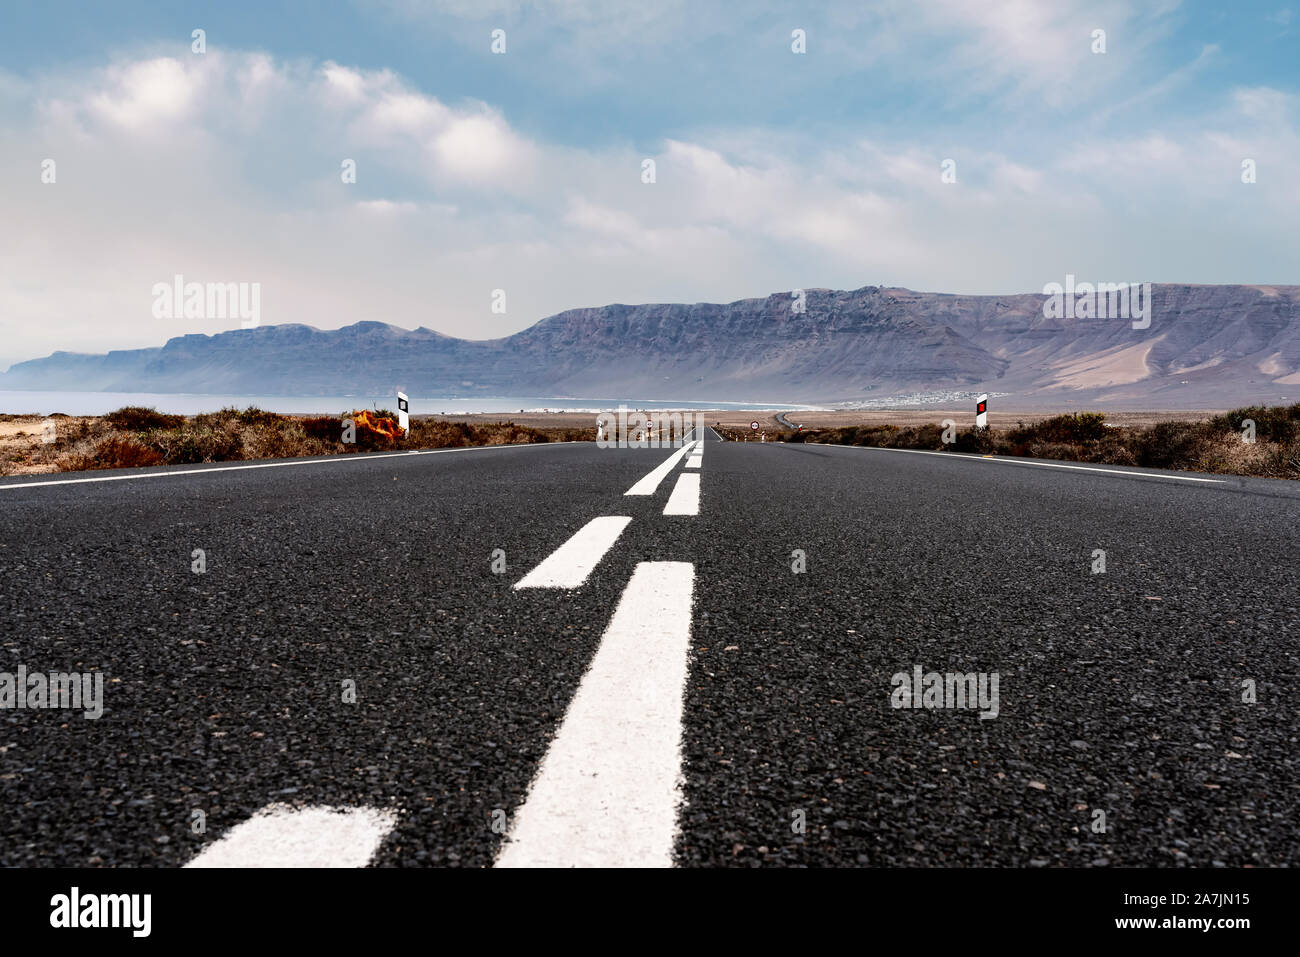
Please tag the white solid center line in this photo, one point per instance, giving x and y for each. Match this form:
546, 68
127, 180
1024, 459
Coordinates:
685, 499
608, 790
570, 564
651, 482
283, 836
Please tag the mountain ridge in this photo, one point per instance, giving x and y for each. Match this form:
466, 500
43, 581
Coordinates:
1207, 346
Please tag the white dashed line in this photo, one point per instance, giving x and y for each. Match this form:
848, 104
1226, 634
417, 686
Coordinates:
283, 836
651, 482
608, 790
570, 564
685, 499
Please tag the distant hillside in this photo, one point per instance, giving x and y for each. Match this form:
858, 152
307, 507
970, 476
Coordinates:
1207, 346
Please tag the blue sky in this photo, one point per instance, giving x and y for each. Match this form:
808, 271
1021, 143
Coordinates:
522, 171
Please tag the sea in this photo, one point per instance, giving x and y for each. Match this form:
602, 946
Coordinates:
97, 403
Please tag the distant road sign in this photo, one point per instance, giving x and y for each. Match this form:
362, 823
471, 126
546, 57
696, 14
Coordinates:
754, 426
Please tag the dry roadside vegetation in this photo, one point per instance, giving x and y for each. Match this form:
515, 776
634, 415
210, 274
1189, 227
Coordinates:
1213, 445
135, 437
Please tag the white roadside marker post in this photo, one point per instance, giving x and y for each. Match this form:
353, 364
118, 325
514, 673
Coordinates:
403, 414
982, 412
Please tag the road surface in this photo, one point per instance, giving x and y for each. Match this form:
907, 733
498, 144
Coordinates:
500, 657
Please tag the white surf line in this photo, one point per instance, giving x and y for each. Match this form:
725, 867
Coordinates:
608, 790
570, 564
336, 460
282, 836
685, 499
1041, 465
651, 482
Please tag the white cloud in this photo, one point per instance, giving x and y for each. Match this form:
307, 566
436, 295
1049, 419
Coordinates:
226, 168
145, 93
1264, 103
348, 85
481, 147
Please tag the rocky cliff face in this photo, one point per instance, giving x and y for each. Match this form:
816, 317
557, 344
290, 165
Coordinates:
1206, 346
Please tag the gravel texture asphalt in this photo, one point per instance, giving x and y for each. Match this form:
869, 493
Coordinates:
1119, 692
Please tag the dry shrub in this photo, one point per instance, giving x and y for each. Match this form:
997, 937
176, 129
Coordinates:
1279, 424
323, 428
1054, 450
1286, 460
283, 439
78, 436
195, 444
1169, 445
1078, 428
980, 441
10, 462
918, 437
1229, 454
440, 434
136, 418
1113, 450
507, 433
437, 434
259, 418
114, 452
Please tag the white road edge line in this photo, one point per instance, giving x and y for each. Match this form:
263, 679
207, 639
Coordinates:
1045, 465
609, 788
336, 460
570, 564
651, 482
283, 836
685, 499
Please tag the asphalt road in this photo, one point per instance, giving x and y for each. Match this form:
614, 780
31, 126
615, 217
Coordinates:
474, 738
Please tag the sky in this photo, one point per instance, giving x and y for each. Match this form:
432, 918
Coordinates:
966, 146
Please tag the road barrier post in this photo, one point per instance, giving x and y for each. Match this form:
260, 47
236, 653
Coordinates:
403, 414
